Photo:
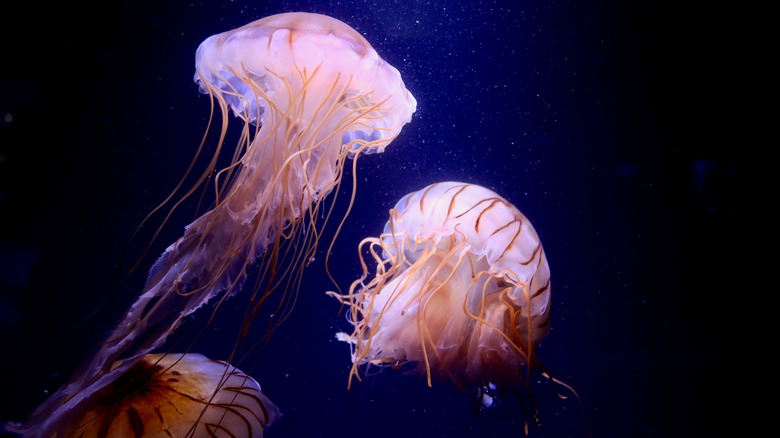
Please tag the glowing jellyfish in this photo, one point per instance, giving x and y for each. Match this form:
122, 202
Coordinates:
462, 289
311, 92
177, 395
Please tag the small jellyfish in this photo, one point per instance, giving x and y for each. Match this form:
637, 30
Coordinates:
177, 395
461, 289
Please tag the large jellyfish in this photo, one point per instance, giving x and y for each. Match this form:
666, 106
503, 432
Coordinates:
461, 289
311, 92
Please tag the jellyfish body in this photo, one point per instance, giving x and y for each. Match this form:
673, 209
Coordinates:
177, 395
311, 92
462, 289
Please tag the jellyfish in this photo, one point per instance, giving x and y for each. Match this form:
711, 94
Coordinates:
177, 395
461, 290
310, 92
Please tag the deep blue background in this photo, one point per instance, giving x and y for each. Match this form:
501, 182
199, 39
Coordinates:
609, 125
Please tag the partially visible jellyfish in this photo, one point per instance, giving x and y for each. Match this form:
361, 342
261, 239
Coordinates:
461, 289
177, 395
311, 92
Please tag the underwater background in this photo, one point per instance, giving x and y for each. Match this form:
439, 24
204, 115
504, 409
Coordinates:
608, 124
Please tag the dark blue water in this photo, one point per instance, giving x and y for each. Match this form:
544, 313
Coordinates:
605, 124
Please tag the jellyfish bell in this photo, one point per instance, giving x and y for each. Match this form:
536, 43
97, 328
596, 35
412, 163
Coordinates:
310, 73
318, 91
177, 395
311, 92
168, 395
461, 289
